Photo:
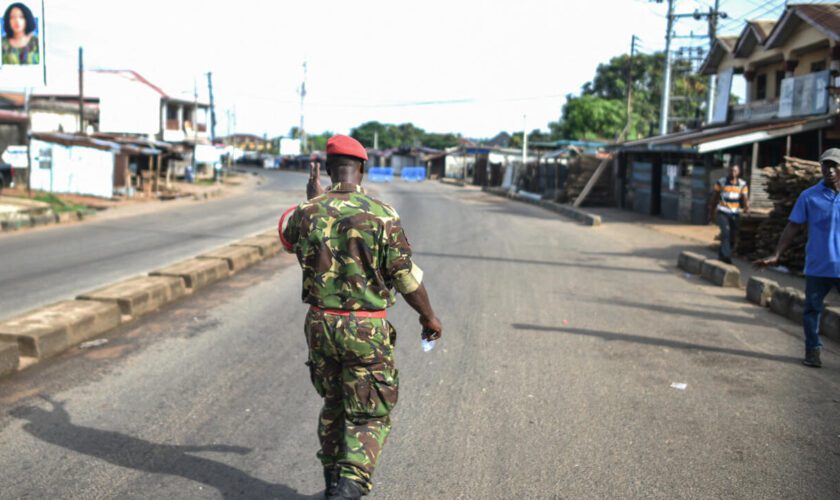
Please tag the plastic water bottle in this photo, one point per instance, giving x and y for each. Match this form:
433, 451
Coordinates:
426, 344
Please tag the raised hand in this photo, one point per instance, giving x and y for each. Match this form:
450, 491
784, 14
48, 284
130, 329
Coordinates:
314, 187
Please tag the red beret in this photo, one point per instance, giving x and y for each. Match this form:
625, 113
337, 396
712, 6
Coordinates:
343, 145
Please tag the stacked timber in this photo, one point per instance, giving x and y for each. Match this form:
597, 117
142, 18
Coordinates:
748, 231
784, 183
581, 169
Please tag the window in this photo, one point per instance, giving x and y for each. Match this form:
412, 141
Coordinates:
817, 66
171, 112
761, 87
780, 75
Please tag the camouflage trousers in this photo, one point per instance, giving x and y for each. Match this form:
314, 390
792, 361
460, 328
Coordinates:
351, 363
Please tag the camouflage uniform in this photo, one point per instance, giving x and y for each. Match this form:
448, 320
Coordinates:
353, 251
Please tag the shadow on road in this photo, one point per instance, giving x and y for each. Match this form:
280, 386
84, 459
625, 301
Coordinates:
639, 339
55, 427
539, 262
679, 311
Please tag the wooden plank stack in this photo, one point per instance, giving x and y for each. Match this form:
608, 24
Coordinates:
784, 183
581, 169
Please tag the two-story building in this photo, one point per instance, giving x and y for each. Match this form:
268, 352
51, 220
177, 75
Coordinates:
789, 70
129, 104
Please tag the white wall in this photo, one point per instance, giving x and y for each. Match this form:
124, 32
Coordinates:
47, 121
125, 106
75, 170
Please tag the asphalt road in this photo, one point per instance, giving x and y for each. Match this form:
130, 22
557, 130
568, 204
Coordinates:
553, 380
45, 266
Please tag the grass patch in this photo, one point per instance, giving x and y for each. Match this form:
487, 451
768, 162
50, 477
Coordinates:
58, 205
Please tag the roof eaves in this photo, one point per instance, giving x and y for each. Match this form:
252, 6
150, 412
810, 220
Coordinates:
818, 15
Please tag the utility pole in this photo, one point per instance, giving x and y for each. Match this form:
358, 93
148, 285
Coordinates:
81, 91
629, 88
212, 109
714, 14
194, 125
525, 143
26, 96
302, 97
666, 84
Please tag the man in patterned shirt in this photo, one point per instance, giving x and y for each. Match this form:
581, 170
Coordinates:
353, 252
730, 194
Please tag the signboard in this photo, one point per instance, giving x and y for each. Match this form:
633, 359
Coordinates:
289, 147
207, 153
804, 95
786, 98
16, 156
724, 87
672, 172
22, 36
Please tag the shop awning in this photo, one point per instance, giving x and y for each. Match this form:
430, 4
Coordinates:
717, 138
763, 133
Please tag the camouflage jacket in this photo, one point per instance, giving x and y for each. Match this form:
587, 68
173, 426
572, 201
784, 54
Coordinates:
352, 249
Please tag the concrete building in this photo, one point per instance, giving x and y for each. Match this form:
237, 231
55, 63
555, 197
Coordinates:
789, 68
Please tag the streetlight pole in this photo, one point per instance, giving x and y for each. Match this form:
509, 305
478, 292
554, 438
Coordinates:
666, 83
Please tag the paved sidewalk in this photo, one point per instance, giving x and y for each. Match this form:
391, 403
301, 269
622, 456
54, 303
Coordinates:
701, 239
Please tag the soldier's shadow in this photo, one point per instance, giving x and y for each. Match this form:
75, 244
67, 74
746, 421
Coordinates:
55, 427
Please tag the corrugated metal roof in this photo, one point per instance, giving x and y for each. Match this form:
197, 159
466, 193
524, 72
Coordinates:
762, 28
691, 140
823, 17
723, 45
754, 34
7, 116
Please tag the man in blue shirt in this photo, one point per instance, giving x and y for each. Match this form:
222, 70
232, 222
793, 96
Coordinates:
819, 208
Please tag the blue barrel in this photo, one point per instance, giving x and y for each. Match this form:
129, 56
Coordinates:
380, 174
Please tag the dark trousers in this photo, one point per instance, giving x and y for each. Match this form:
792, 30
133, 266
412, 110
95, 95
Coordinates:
816, 289
728, 224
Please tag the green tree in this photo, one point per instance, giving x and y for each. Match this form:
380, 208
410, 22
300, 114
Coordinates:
404, 135
441, 141
318, 142
608, 90
591, 117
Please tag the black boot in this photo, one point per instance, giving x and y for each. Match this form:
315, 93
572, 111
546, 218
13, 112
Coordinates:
347, 489
812, 358
330, 481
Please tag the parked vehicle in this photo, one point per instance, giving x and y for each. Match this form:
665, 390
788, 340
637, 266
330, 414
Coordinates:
7, 176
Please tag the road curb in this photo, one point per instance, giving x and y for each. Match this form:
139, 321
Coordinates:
577, 214
47, 331
237, 257
49, 218
139, 295
196, 273
787, 302
720, 273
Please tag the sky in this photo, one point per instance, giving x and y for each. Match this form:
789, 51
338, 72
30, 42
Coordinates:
470, 67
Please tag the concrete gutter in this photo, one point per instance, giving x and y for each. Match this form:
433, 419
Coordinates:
47, 331
569, 211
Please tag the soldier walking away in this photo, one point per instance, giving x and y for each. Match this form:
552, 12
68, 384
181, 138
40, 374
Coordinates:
819, 208
353, 252
730, 194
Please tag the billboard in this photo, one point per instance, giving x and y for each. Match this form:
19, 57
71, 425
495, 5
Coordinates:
289, 147
721, 102
22, 36
804, 95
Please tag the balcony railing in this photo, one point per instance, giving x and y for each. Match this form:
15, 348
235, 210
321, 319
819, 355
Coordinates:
172, 125
755, 111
